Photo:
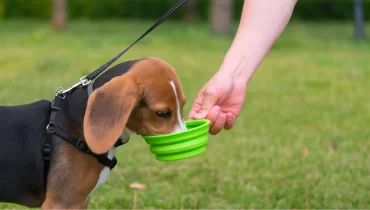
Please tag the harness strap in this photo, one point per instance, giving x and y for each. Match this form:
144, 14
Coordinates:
52, 127
82, 146
47, 147
90, 88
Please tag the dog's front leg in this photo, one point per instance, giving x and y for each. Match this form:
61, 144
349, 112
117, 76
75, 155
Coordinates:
72, 178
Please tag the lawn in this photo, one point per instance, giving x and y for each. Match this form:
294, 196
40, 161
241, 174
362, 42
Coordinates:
302, 140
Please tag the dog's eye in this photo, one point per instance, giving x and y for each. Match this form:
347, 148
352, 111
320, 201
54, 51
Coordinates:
163, 114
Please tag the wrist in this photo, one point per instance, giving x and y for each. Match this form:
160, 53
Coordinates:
238, 66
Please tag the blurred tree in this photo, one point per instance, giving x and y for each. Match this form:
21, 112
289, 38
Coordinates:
190, 11
222, 16
59, 14
359, 19
2, 9
329, 6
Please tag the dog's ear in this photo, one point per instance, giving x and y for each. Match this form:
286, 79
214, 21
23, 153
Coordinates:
107, 112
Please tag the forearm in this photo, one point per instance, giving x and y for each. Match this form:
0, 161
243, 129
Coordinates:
261, 23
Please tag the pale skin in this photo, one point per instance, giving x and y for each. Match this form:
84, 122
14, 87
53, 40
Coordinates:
222, 97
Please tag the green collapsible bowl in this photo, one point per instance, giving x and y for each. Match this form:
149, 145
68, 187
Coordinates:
181, 145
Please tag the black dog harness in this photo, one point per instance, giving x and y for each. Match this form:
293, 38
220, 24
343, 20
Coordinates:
54, 129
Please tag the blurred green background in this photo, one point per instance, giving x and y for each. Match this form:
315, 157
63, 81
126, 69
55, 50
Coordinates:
152, 9
301, 141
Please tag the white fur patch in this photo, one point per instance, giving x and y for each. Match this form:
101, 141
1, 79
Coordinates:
180, 122
104, 174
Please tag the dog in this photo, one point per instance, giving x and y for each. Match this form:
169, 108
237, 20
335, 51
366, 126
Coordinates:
142, 97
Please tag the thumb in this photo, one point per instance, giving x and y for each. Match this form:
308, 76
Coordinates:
209, 100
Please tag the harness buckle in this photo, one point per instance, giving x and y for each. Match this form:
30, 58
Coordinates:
46, 152
50, 128
60, 92
81, 145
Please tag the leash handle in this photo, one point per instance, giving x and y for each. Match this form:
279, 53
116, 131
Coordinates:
98, 71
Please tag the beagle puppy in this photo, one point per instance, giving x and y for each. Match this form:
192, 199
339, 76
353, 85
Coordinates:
142, 96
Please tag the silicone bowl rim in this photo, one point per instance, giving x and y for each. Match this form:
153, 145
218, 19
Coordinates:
200, 124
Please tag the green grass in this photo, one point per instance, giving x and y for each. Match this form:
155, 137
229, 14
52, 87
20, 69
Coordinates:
302, 140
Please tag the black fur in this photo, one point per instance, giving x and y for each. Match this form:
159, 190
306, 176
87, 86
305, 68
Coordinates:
22, 134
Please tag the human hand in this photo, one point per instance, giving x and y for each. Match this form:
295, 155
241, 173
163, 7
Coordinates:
219, 101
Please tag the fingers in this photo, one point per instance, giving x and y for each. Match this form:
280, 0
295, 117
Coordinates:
218, 124
223, 121
204, 107
194, 109
209, 101
229, 121
213, 115
218, 120
197, 105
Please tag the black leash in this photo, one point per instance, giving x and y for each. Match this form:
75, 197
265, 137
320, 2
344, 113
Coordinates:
87, 79
53, 128
94, 74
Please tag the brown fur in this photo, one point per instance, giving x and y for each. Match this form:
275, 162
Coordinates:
71, 179
116, 104
130, 100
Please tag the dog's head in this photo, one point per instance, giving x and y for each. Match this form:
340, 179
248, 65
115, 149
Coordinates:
147, 100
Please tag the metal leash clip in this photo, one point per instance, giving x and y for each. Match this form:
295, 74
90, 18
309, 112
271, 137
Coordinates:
82, 83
